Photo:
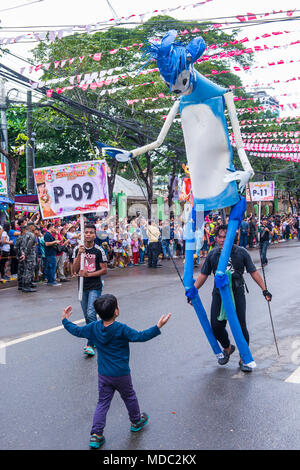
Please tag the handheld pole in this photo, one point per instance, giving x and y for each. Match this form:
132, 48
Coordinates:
263, 271
81, 257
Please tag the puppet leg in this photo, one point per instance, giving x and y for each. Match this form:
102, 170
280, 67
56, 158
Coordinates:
190, 244
221, 281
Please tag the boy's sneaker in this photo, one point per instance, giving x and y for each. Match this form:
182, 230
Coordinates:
96, 441
89, 350
140, 424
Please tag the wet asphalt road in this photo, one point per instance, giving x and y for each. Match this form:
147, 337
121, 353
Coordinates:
49, 388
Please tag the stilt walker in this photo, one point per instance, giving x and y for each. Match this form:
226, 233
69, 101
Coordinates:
209, 157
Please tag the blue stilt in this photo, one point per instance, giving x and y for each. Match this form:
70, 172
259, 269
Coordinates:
190, 245
221, 281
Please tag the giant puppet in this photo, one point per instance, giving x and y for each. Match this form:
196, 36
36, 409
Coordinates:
209, 156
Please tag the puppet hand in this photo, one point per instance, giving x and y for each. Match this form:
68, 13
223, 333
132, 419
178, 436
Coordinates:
191, 293
123, 155
243, 176
119, 154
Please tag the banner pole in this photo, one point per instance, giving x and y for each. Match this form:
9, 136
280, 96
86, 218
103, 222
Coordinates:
81, 257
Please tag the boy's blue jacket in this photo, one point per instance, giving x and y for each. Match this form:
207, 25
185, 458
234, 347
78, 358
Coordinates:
112, 343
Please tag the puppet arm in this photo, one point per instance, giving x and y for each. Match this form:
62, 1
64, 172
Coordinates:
157, 143
248, 172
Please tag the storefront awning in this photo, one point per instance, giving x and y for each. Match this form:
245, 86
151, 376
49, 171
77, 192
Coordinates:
5, 200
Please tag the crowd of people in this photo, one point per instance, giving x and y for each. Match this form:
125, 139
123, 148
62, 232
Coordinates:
33, 250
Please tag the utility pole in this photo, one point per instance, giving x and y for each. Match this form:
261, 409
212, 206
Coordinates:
29, 147
4, 136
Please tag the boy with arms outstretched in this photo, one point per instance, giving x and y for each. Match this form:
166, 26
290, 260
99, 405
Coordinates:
112, 342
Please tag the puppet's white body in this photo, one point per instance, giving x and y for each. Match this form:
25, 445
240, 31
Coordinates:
207, 150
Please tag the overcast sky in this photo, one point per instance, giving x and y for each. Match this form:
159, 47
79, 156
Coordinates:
73, 12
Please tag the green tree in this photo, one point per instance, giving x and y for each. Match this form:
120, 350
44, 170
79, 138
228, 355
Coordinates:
119, 124
17, 141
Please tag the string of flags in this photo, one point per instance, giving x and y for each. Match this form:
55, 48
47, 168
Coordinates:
270, 134
61, 63
51, 35
290, 157
84, 78
240, 110
91, 80
288, 148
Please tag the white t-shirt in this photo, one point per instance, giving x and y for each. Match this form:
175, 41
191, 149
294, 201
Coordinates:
5, 247
70, 237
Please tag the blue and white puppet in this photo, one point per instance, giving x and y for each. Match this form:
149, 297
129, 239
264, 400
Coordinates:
209, 156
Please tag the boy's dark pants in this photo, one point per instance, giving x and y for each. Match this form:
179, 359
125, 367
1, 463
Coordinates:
107, 387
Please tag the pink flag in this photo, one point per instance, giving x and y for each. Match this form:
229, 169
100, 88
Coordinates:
97, 56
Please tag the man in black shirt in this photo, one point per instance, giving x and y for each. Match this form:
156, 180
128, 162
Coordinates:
252, 231
95, 265
51, 242
239, 261
264, 240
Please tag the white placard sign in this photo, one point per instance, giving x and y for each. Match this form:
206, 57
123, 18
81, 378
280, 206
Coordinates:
74, 188
260, 191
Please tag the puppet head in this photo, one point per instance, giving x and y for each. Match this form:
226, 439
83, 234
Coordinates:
175, 61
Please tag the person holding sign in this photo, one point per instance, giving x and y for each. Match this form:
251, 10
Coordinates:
95, 266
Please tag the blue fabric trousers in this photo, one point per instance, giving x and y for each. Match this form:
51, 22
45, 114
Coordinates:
141, 255
243, 239
165, 244
263, 251
107, 386
50, 269
87, 305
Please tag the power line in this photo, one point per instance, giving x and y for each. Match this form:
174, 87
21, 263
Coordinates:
234, 25
22, 5
194, 20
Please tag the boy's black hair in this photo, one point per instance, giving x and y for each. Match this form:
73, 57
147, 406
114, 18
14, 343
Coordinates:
105, 306
89, 225
220, 227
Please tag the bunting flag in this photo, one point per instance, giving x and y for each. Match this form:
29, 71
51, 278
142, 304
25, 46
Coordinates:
270, 141
109, 79
256, 109
97, 56
256, 135
290, 157
288, 148
251, 123
88, 77
265, 125
92, 28
292, 148
90, 80
262, 122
